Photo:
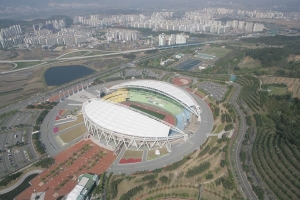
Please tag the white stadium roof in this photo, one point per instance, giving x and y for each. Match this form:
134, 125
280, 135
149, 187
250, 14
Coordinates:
120, 119
164, 87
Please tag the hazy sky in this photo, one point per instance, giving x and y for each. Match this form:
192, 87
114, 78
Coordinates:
154, 2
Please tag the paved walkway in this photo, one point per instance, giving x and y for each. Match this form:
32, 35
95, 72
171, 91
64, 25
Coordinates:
23, 177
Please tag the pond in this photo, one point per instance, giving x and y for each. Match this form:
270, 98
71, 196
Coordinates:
55, 76
12, 194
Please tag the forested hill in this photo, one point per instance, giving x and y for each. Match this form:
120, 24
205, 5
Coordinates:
4, 23
285, 112
277, 55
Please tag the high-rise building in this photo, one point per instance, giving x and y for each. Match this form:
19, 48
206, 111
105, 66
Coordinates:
172, 39
241, 25
248, 26
180, 39
258, 27
161, 40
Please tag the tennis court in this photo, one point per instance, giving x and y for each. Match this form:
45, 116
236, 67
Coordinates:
187, 64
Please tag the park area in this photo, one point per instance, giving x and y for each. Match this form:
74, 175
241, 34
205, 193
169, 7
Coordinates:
292, 84
61, 177
217, 51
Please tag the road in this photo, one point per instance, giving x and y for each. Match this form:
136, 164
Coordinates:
243, 181
23, 177
60, 58
77, 57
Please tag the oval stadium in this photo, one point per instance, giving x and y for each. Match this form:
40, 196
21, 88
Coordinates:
141, 113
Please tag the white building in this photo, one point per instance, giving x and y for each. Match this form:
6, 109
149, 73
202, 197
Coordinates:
180, 39
258, 27
172, 39
161, 40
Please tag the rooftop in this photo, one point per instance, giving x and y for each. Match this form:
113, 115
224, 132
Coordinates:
123, 120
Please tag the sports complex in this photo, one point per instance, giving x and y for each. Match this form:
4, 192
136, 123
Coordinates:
146, 123
142, 113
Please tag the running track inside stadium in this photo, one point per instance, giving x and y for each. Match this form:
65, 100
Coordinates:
169, 117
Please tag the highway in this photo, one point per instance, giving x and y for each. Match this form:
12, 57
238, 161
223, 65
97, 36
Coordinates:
60, 58
242, 178
77, 57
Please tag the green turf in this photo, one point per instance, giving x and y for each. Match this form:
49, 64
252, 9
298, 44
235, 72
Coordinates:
150, 112
277, 90
26, 64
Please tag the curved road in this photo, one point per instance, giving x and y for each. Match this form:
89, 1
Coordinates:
242, 178
23, 177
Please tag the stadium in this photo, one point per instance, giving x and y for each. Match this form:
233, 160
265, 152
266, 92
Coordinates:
141, 113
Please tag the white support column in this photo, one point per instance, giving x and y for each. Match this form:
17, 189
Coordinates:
87, 85
72, 90
59, 97
82, 87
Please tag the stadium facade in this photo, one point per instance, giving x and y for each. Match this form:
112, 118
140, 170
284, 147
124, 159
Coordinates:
115, 124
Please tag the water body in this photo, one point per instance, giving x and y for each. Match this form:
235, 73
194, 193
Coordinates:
55, 76
12, 194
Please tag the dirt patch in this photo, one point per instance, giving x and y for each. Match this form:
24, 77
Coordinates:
5, 67
295, 58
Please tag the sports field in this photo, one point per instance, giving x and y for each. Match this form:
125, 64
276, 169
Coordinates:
187, 64
150, 112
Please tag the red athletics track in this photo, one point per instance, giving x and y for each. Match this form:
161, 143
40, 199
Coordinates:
169, 117
181, 81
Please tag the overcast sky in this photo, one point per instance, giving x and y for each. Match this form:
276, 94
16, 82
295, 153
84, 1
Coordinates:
153, 2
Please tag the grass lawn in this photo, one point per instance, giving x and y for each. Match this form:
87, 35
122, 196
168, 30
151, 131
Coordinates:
26, 64
73, 133
132, 154
155, 114
99, 52
75, 53
151, 153
70, 124
219, 52
277, 90
219, 128
250, 64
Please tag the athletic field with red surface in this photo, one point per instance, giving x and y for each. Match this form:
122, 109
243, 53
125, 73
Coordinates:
181, 81
61, 177
169, 117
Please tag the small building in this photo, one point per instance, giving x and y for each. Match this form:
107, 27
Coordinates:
232, 77
179, 56
84, 188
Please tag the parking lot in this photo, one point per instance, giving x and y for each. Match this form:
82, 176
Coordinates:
216, 91
17, 119
16, 149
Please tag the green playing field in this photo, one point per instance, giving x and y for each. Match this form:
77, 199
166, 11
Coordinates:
150, 112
